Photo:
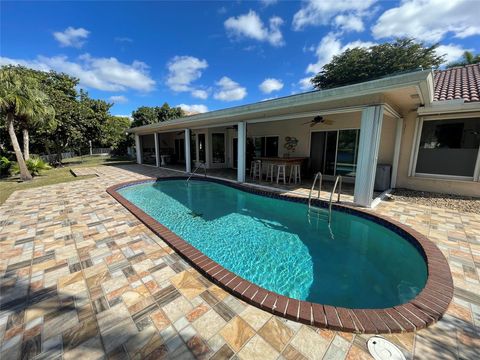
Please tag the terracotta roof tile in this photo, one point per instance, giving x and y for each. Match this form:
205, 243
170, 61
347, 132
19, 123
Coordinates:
458, 83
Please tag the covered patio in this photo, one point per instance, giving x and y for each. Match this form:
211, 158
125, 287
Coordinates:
354, 132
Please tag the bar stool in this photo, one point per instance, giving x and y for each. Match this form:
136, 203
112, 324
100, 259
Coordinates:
252, 165
281, 173
257, 170
270, 172
295, 173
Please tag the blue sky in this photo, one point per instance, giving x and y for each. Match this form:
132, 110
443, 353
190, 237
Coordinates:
213, 55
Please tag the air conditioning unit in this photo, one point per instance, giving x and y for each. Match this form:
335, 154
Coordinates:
383, 177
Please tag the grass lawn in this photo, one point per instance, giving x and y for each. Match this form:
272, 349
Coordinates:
55, 175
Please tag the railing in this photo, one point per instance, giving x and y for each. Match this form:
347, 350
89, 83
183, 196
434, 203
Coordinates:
201, 165
338, 181
318, 175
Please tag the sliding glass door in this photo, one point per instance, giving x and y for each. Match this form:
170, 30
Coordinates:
347, 151
334, 152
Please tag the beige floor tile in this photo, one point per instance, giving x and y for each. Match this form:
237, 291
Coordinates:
237, 332
257, 349
209, 324
309, 343
276, 333
255, 317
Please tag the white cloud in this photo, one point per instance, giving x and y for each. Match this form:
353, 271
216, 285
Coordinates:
183, 71
452, 52
118, 99
349, 22
194, 108
429, 20
229, 90
200, 94
329, 46
268, 2
251, 26
305, 84
107, 74
269, 98
270, 85
125, 116
71, 36
321, 12
121, 39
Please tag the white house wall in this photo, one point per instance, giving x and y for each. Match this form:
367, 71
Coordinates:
469, 188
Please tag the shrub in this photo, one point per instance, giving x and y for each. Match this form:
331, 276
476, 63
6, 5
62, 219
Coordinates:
35, 165
5, 165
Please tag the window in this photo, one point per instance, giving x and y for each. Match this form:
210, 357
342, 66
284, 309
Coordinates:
218, 148
201, 148
266, 146
148, 148
449, 147
180, 149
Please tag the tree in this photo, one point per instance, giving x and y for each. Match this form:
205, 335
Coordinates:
114, 134
20, 96
95, 113
363, 64
146, 115
42, 116
165, 112
468, 59
69, 114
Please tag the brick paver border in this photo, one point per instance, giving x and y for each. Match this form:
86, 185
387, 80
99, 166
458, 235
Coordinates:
425, 309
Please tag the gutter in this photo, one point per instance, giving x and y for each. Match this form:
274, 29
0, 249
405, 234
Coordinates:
423, 80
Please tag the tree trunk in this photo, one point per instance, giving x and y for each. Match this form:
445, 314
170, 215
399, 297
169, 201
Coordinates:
24, 173
26, 144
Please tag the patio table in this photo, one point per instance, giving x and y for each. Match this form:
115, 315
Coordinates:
280, 160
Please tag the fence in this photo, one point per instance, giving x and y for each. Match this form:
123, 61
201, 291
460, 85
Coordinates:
101, 151
70, 154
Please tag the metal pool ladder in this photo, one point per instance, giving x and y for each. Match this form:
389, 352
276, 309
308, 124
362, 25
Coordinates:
318, 176
338, 182
200, 165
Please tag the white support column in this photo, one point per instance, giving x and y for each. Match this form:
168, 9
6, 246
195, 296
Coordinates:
370, 132
138, 148
242, 140
157, 150
188, 154
396, 152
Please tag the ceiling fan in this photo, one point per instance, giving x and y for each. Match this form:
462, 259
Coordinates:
318, 120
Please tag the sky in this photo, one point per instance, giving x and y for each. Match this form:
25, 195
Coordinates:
211, 55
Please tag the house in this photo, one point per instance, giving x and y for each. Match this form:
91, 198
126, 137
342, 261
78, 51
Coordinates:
423, 125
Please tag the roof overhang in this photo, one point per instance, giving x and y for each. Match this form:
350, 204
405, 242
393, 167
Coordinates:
449, 107
421, 81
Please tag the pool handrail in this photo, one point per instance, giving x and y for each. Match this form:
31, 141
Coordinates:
195, 170
338, 181
318, 175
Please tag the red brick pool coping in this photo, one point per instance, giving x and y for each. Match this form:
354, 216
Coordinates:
425, 309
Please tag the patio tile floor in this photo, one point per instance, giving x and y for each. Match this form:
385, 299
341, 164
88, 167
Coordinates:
82, 277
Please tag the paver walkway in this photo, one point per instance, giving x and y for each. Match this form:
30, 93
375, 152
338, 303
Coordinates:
82, 278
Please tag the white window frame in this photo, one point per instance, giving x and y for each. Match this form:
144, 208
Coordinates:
415, 148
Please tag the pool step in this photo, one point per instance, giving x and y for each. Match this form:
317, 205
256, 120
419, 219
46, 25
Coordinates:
317, 213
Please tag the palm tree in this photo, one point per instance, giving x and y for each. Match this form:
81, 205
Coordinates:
41, 115
468, 59
19, 97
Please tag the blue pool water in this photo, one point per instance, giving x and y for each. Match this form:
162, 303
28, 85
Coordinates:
272, 243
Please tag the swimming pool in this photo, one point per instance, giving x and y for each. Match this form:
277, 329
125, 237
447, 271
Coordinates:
274, 243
